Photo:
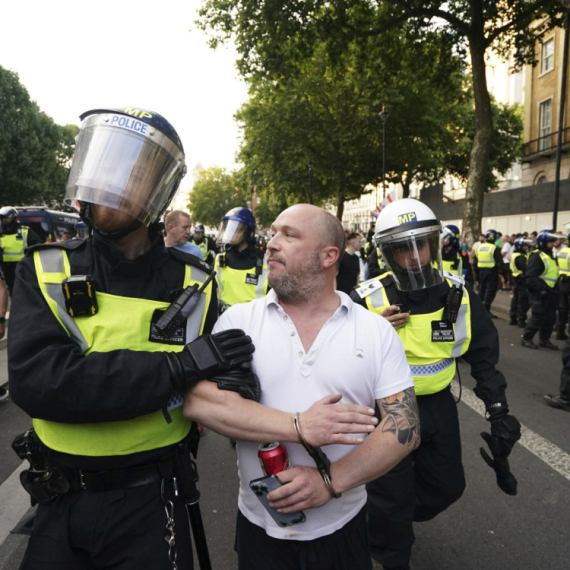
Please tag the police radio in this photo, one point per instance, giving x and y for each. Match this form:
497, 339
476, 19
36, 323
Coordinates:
181, 308
452, 305
80, 296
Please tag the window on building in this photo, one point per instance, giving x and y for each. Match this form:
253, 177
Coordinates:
542, 180
547, 62
545, 125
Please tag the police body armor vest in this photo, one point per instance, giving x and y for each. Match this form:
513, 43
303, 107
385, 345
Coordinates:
550, 273
432, 364
104, 332
239, 285
485, 255
455, 266
14, 245
563, 258
203, 248
514, 269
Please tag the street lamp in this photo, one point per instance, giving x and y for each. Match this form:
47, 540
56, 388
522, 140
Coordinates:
566, 4
384, 114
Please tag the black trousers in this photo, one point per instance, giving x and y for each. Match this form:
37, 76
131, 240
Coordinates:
563, 303
123, 529
488, 285
520, 303
565, 375
9, 270
542, 316
421, 486
345, 549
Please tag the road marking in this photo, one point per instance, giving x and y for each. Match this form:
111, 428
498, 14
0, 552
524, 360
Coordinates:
551, 454
14, 500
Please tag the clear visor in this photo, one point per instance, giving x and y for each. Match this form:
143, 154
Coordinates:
125, 164
446, 237
231, 233
415, 261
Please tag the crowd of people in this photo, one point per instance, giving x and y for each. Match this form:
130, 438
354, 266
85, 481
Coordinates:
341, 347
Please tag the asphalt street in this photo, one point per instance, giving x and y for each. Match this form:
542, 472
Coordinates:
484, 530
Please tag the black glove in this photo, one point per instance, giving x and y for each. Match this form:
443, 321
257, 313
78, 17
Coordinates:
505, 432
208, 356
241, 380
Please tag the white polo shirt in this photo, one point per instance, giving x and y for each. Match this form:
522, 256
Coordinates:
357, 353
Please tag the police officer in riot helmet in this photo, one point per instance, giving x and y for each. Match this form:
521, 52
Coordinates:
487, 262
15, 238
240, 265
453, 258
438, 319
542, 279
520, 303
206, 244
88, 361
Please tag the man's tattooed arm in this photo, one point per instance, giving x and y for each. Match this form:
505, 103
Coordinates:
400, 417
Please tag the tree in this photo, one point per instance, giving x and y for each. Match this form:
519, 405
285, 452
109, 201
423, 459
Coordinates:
272, 37
35, 152
214, 193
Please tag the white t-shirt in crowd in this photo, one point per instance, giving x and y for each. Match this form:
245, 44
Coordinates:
507, 251
356, 353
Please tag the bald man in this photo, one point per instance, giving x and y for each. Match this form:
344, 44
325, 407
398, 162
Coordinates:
312, 341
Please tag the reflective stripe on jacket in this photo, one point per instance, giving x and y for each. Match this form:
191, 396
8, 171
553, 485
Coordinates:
121, 323
514, 269
13, 245
432, 363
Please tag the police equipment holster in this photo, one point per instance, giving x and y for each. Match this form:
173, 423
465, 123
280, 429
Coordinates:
43, 483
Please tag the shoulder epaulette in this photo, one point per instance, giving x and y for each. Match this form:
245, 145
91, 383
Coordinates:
368, 287
69, 245
189, 259
453, 277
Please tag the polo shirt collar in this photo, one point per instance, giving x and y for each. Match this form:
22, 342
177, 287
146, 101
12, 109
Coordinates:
345, 301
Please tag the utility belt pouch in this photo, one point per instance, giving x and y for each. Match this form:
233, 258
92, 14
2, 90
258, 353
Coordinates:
80, 296
187, 473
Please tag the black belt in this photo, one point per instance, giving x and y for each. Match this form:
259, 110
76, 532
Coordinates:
137, 476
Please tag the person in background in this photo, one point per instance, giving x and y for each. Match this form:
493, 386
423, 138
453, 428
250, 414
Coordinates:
542, 278
488, 262
563, 260
349, 270
453, 257
520, 303
206, 244
4, 295
506, 252
178, 226
15, 239
240, 265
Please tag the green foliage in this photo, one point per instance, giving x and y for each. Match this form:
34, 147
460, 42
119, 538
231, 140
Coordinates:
214, 193
34, 151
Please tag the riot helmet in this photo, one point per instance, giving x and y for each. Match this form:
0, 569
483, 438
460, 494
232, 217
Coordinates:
237, 227
8, 217
407, 234
130, 160
491, 236
522, 244
546, 236
450, 235
199, 230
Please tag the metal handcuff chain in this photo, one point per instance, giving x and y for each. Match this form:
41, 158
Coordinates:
171, 535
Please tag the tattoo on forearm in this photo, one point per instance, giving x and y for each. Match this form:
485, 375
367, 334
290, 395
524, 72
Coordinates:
402, 418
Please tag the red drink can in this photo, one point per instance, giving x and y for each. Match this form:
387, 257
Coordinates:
273, 458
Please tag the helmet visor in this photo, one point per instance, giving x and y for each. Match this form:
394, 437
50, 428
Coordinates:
125, 164
415, 261
231, 233
446, 237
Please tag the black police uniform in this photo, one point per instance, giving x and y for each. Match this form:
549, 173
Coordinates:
8, 267
121, 521
488, 278
543, 300
431, 478
520, 303
455, 255
374, 267
212, 248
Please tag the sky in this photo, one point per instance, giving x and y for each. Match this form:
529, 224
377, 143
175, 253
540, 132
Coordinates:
77, 55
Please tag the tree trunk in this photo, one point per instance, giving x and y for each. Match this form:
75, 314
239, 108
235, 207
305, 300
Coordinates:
479, 158
340, 204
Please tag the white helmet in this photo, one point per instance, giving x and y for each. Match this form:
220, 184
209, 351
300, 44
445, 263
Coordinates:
407, 233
